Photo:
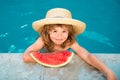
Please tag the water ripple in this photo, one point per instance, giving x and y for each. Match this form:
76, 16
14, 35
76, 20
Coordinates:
26, 13
3, 35
11, 48
23, 26
29, 40
97, 37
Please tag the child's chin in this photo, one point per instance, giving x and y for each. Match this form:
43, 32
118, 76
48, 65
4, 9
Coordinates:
59, 43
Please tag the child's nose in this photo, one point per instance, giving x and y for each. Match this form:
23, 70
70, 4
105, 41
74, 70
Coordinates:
59, 35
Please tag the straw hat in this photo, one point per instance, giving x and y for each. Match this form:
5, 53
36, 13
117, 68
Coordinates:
59, 16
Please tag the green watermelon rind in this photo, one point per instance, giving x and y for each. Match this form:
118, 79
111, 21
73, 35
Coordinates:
48, 65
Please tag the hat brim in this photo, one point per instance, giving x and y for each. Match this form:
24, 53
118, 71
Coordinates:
78, 25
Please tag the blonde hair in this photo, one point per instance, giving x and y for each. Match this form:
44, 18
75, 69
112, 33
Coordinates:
48, 44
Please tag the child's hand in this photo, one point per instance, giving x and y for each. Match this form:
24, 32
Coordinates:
111, 76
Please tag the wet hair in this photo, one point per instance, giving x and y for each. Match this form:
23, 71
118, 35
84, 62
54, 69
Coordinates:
48, 43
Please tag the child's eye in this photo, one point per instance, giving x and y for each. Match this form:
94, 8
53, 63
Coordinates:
64, 31
54, 31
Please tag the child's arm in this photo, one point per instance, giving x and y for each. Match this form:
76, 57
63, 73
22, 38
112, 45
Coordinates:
92, 60
33, 48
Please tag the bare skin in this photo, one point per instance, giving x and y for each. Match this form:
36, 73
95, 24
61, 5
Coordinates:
58, 36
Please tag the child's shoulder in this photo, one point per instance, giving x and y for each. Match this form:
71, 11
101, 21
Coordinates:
75, 45
39, 40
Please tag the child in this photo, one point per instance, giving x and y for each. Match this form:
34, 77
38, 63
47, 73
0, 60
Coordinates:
57, 33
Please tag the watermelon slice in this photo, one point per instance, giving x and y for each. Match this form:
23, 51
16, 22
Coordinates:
56, 59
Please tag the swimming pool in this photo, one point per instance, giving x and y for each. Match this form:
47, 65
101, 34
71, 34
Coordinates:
101, 17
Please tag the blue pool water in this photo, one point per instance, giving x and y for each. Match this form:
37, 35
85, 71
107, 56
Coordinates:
102, 18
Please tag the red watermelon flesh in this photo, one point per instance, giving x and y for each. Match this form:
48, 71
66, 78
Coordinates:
56, 59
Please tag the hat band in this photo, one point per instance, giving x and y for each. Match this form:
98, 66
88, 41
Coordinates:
58, 17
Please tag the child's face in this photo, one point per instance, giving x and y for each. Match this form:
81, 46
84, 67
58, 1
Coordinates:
59, 34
